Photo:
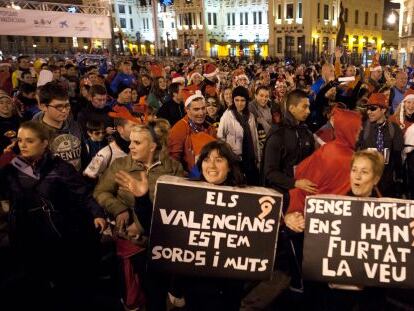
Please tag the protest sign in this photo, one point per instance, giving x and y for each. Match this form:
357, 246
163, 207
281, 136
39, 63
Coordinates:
217, 231
359, 241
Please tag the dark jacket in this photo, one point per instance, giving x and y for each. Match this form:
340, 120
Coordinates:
394, 141
286, 146
52, 184
172, 111
319, 108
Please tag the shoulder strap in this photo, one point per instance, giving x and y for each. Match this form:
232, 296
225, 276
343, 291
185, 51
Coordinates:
367, 129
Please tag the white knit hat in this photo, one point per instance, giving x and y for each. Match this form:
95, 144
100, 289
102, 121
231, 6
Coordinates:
45, 76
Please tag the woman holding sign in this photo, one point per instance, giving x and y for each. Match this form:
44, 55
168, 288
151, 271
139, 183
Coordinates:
219, 166
366, 170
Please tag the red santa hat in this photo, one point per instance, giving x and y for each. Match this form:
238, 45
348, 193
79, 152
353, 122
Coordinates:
189, 95
192, 74
210, 70
177, 78
408, 95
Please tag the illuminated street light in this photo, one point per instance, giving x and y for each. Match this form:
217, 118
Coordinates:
392, 18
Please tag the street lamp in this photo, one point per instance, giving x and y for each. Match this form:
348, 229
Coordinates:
392, 18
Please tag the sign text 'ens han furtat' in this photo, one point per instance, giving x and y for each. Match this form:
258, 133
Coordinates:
359, 241
216, 231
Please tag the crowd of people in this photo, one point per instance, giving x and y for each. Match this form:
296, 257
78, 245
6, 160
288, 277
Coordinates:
82, 149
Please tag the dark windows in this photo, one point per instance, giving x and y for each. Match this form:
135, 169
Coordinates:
122, 21
326, 12
289, 10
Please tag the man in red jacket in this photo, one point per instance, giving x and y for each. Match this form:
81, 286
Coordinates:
189, 135
328, 167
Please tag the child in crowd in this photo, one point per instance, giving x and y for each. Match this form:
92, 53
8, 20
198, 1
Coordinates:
96, 138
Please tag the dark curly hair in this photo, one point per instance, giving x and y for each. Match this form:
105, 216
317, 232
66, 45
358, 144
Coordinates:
235, 176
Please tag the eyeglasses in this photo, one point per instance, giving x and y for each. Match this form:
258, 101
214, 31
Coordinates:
211, 103
372, 108
61, 108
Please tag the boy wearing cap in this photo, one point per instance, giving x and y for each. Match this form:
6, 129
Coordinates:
124, 97
386, 137
191, 133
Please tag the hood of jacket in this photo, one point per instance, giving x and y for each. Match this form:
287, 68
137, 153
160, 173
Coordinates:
347, 125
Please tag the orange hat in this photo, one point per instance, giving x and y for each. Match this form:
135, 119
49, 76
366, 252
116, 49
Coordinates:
189, 95
121, 112
156, 71
377, 99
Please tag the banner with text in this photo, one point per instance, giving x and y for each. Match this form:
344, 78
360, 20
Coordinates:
217, 231
359, 241
53, 24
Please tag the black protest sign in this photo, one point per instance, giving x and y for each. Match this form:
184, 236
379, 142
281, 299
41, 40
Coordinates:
217, 231
359, 241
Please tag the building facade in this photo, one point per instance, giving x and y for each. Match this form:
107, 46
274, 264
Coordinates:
406, 33
302, 27
364, 25
142, 26
220, 28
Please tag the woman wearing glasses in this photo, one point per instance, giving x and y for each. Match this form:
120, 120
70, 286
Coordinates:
51, 226
66, 141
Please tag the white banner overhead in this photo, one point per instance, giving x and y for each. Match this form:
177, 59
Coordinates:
53, 24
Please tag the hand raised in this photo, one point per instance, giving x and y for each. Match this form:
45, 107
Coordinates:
128, 183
